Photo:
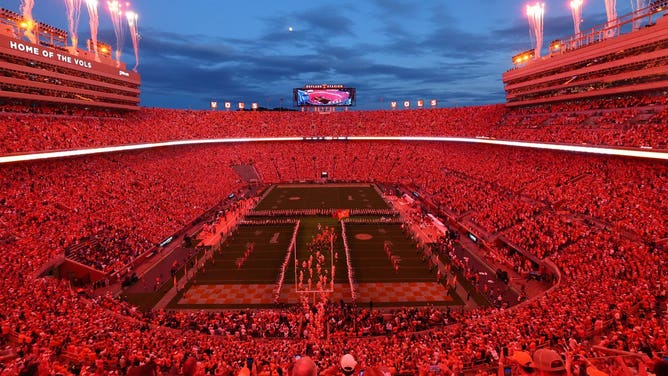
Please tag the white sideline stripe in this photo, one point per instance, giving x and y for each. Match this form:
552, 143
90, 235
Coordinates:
533, 145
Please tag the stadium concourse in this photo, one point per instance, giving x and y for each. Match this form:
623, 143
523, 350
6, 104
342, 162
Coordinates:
600, 219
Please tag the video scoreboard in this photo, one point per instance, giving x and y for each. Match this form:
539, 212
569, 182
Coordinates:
324, 95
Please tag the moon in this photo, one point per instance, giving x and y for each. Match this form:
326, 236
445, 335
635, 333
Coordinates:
290, 28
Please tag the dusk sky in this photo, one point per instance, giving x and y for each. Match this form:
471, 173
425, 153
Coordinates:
192, 52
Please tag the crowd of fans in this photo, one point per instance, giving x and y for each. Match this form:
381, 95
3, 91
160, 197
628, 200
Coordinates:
94, 200
130, 201
627, 122
108, 251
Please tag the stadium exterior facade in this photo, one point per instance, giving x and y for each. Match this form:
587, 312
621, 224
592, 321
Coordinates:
596, 64
47, 72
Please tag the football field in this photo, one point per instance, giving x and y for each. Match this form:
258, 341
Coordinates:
246, 271
310, 196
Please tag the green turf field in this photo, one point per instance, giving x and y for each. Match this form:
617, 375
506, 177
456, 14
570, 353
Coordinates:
371, 262
270, 243
362, 196
308, 229
260, 270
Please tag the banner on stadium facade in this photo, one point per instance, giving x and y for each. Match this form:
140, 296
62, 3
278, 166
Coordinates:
83, 62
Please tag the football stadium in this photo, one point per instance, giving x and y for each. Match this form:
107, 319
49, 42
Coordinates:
523, 237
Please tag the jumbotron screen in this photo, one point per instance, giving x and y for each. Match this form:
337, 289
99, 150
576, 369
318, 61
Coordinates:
324, 95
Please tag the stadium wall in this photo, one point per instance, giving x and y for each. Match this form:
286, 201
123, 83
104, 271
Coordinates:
608, 67
37, 73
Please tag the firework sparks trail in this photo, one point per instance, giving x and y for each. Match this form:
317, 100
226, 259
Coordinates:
116, 13
576, 11
535, 14
134, 34
73, 14
611, 12
636, 5
94, 23
28, 23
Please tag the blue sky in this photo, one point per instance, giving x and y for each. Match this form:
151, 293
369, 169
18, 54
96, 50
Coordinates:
195, 51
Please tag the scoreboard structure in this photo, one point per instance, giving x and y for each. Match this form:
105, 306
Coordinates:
324, 95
